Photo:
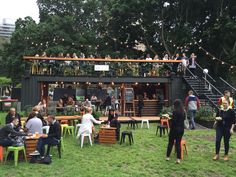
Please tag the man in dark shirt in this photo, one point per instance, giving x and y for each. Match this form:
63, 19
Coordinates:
12, 113
7, 131
52, 138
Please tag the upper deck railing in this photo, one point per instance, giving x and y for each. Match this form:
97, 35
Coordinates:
100, 67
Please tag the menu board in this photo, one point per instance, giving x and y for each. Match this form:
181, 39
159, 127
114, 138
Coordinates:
129, 94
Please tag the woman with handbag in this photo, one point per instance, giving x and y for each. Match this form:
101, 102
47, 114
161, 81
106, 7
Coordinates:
176, 130
225, 121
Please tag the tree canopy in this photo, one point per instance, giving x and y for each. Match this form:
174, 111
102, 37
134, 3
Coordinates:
115, 27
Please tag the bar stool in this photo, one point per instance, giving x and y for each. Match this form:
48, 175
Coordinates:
82, 139
145, 120
162, 129
1, 153
16, 150
132, 123
183, 147
70, 129
165, 122
64, 123
130, 136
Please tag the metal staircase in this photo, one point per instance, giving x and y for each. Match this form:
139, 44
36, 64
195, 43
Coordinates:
208, 89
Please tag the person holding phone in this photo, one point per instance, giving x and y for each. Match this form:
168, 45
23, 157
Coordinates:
224, 128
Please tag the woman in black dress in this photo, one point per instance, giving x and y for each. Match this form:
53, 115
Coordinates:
224, 128
176, 130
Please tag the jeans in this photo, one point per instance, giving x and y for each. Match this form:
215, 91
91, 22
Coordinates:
43, 141
222, 132
192, 116
175, 136
6, 142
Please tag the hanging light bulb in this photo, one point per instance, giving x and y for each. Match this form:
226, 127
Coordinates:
231, 67
213, 58
223, 63
207, 53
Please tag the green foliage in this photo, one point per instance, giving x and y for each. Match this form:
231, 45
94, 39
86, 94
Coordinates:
96, 114
205, 113
4, 81
114, 27
167, 110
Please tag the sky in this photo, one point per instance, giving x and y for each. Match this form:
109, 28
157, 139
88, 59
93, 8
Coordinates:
14, 9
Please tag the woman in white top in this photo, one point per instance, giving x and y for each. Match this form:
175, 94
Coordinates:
87, 122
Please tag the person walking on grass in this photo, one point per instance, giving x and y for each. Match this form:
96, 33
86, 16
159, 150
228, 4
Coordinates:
192, 104
225, 122
176, 130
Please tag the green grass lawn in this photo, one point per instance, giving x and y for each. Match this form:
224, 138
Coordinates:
146, 157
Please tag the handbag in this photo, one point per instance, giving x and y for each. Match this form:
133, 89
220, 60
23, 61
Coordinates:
186, 121
215, 125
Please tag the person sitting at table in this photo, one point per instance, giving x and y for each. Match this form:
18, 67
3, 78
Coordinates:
42, 106
34, 124
52, 138
87, 103
38, 115
70, 101
93, 100
111, 115
87, 123
116, 123
9, 131
60, 106
11, 115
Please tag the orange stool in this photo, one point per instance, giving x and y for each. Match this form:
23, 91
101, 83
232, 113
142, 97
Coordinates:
165, 122
1, 153
183, 147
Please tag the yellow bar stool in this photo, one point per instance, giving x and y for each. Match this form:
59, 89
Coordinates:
16, 150
70, 129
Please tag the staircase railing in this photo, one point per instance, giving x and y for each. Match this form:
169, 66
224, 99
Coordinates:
207, 81
223, 85
200, 73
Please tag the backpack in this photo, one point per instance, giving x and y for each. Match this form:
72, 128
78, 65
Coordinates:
46, 160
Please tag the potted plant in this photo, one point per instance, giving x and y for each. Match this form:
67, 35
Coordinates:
205, 116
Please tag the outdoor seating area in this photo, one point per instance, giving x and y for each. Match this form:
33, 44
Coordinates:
127, 88
147, 149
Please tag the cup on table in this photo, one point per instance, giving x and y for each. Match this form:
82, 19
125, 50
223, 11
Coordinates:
36, 134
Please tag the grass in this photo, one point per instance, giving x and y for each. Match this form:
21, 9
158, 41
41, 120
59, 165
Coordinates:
146, 157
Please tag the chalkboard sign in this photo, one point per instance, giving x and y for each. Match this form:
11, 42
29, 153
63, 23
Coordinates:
129, 94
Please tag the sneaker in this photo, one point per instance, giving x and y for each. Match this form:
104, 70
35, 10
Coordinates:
35, 153
167, 158
178, 161
216, 157
226, 158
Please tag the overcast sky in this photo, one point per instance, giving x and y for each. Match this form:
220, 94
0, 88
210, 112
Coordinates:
14, 9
